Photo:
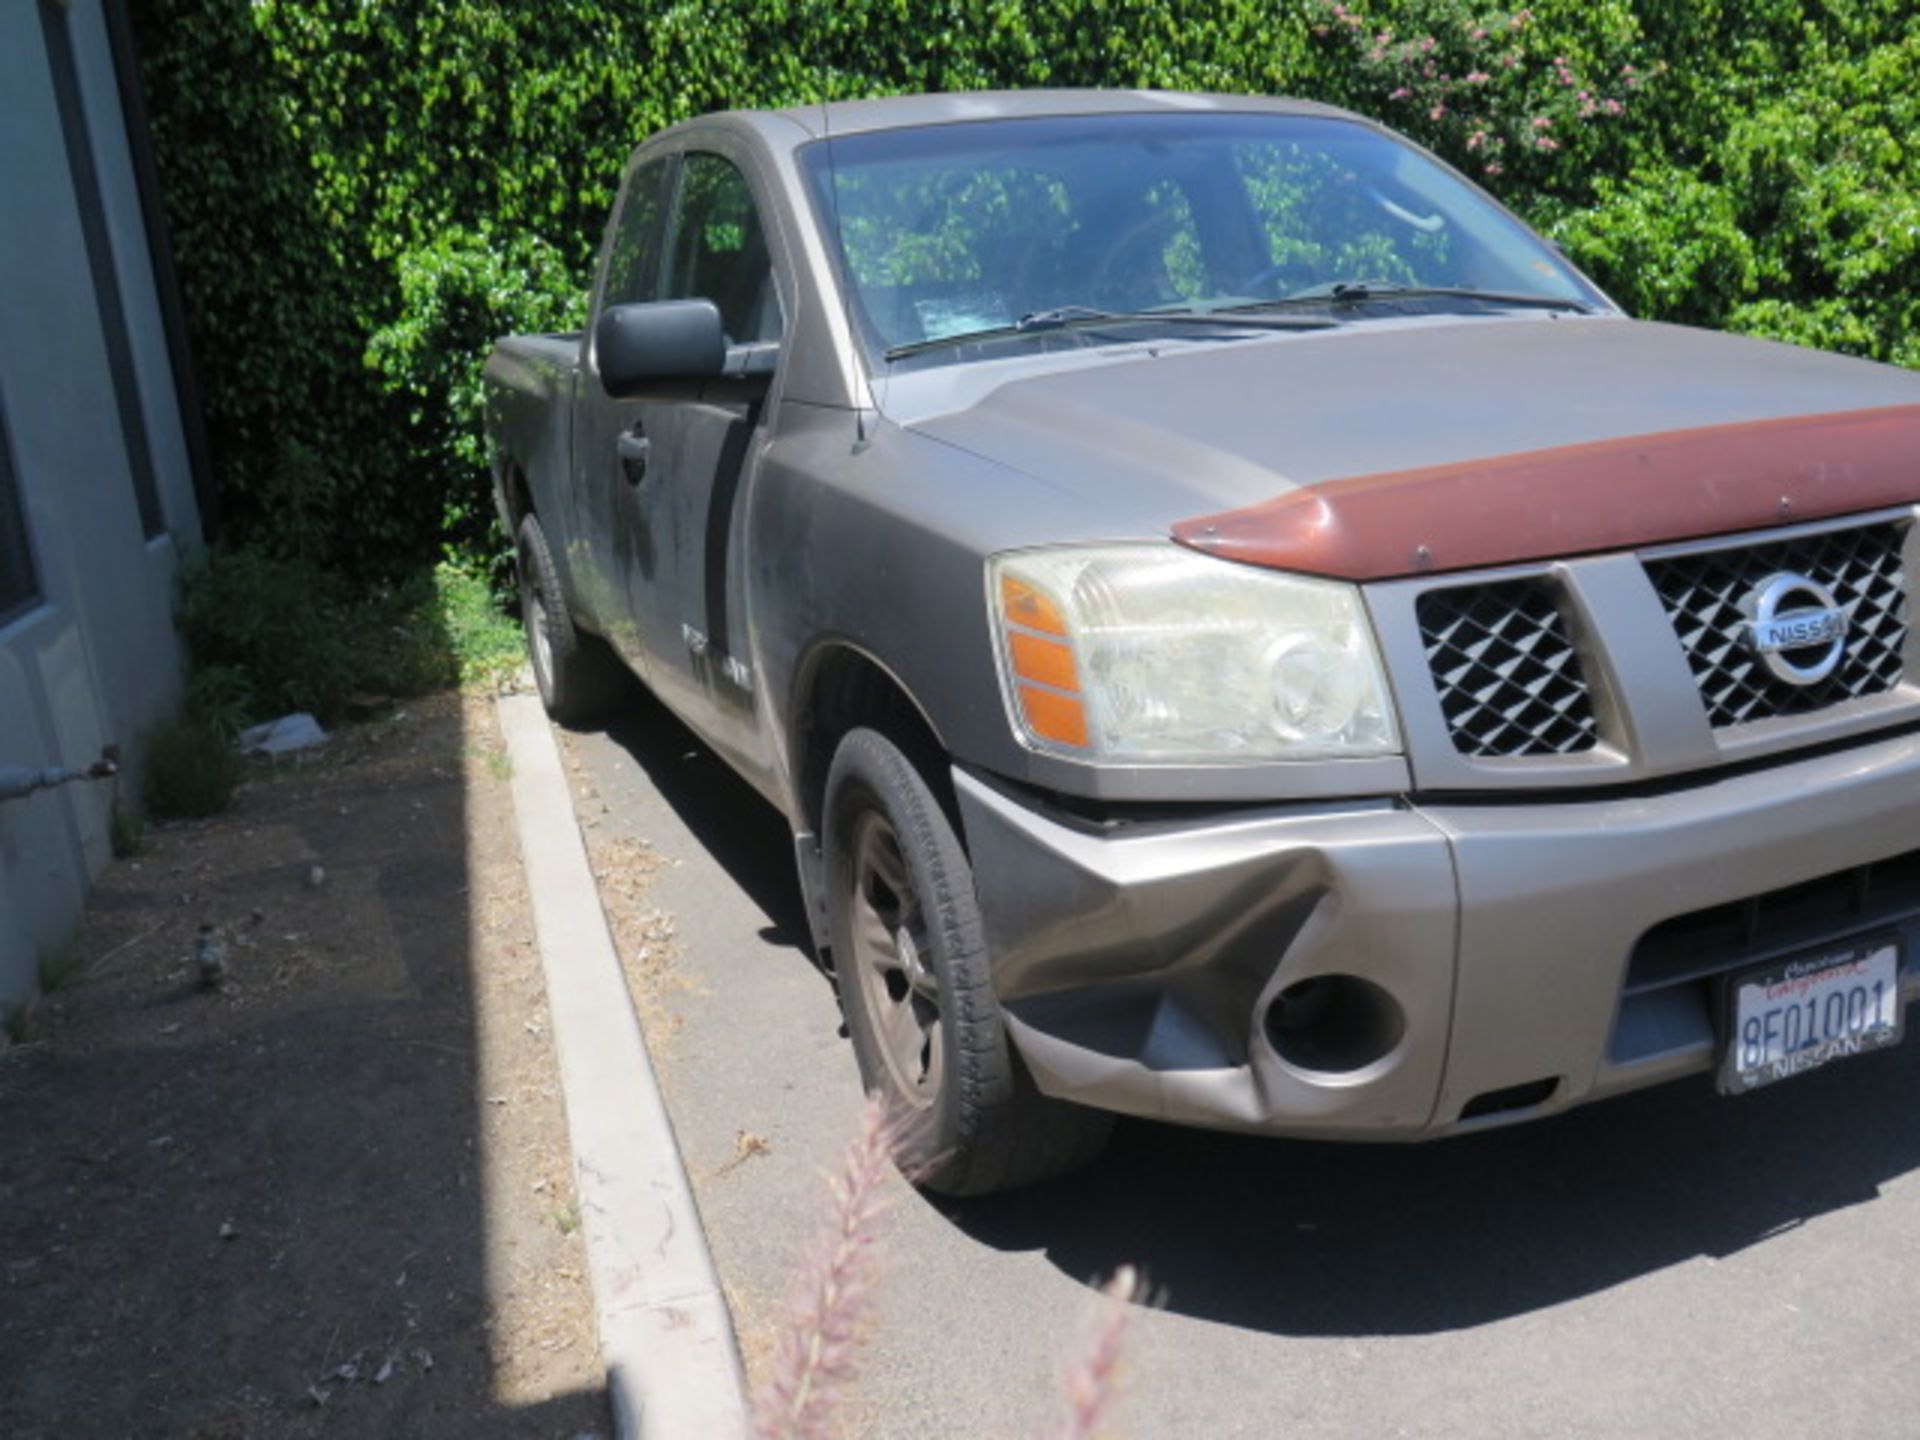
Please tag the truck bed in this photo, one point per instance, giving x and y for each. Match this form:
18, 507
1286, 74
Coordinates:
530, 382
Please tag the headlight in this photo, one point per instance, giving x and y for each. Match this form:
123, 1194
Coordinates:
1149, 653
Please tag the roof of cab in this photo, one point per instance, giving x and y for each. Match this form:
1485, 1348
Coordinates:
898, 112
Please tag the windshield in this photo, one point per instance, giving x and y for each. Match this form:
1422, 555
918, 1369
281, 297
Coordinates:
967, 229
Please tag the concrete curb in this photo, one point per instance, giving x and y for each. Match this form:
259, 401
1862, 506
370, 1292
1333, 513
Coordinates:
673, 1366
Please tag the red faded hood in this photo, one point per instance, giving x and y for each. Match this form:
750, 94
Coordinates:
1573, 499
1383, 449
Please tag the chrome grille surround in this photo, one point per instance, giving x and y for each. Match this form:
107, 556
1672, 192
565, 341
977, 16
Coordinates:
1508, 678
1650, 717
1702, 592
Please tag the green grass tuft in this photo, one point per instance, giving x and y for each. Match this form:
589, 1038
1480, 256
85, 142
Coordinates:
221, 698
192, 771
269, 636
483, 636
126, 832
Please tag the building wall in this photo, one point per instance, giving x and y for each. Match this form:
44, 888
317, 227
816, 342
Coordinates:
95, 660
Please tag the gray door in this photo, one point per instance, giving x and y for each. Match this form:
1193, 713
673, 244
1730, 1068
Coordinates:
716, 249
623, 556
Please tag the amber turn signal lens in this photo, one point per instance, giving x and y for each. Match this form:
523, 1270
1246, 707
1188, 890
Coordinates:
1053, 716
1024, 605
1048, 682
1047, 662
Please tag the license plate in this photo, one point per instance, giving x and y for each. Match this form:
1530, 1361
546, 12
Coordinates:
1795, 1015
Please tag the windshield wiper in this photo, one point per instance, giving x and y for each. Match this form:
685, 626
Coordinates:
1354, 292
1075, 317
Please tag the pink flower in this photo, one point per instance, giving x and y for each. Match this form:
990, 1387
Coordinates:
1385, 37
1512, 60
1093, 1380
1542, 122
832, 1298
1401, 94
1583, 95
1480, 32
1494, 167
1426, 46
1478, 77
1476, 139
1614, 107
1546, 142
1437, 112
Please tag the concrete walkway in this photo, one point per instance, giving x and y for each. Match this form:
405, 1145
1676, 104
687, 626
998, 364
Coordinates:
673, 1368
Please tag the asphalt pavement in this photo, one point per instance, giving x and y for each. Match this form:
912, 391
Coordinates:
1667, 1264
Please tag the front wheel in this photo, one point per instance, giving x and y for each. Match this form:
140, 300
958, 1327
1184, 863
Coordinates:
911, 961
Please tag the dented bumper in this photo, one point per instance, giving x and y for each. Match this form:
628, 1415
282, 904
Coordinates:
1393, 969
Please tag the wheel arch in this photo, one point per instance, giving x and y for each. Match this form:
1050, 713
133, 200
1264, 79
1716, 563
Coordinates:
516, 496
839, 687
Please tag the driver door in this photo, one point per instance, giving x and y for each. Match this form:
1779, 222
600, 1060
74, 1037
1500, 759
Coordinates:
698, 454
611, 467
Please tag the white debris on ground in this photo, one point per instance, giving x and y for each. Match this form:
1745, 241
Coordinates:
299, 731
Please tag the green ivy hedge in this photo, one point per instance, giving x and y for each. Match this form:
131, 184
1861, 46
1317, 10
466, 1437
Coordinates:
363, 193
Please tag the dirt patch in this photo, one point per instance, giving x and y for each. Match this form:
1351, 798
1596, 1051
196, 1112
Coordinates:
330, 1195
643, 933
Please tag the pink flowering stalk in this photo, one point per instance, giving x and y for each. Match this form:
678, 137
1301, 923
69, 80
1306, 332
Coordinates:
1482, 85
1093, 1377
801, 1398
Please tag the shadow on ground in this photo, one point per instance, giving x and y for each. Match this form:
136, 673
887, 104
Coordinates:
265, 1210
1311, 1239
1316, 1239
726, 815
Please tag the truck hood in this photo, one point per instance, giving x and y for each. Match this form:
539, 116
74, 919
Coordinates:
1392, 448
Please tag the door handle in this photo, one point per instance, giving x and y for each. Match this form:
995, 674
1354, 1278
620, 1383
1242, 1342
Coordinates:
634, 450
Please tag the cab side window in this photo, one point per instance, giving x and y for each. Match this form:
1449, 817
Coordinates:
717, 249
633, 266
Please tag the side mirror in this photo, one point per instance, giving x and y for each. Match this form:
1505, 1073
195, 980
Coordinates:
640, 346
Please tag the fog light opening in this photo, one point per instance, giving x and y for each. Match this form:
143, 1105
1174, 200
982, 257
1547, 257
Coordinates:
1334, 1023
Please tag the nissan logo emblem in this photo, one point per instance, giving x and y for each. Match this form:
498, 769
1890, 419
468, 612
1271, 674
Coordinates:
1796, 628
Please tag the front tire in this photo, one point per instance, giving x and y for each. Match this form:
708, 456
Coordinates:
912, 967
576, 674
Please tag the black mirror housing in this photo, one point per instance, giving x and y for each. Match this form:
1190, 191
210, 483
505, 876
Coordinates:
638, 347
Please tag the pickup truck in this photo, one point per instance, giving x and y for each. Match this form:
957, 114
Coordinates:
1242, 632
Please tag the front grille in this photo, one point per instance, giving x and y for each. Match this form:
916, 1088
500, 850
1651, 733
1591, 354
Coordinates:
1747, 932
1510, 683
1670, 994
1703, 594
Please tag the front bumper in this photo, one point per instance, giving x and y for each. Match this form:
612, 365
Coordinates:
1514, 942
